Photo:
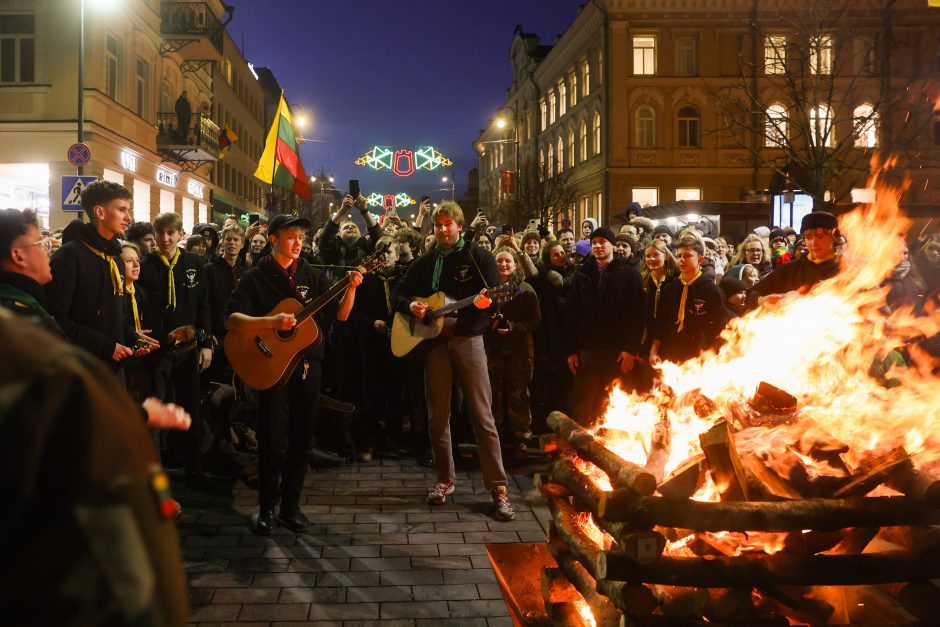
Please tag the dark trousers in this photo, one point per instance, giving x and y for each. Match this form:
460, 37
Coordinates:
381, 389
510, 373
413, 375
286, 420
597, 370
176, 380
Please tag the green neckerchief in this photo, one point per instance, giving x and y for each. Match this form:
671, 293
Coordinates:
18, 296
439, 262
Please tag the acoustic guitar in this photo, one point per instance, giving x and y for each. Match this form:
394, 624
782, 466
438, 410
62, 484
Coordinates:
266, 358
409, 331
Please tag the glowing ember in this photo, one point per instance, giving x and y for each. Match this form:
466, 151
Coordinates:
597, 476
594, 533
586, 615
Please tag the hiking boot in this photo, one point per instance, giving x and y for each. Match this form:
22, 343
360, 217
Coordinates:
438, 493
502, 506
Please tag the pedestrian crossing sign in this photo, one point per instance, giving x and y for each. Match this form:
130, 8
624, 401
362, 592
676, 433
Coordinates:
72, 187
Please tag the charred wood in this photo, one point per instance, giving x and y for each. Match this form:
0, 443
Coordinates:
723, 462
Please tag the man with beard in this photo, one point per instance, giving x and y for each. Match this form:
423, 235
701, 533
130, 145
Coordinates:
341, 243
605, 315
86, 295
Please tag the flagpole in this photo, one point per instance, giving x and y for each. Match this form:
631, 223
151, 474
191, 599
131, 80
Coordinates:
277, 138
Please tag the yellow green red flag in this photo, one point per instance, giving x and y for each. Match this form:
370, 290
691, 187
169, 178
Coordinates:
280, 162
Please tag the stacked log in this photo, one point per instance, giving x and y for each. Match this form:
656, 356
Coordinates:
704, 578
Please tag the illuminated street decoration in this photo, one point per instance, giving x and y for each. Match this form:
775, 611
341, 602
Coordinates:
390, 201
404, 161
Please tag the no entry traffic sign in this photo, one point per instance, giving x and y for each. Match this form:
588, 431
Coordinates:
79, 154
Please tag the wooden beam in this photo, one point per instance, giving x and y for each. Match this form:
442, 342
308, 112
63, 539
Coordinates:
723, 462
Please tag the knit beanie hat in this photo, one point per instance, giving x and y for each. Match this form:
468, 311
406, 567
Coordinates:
602, 231
664, 228
818, 220
731, 286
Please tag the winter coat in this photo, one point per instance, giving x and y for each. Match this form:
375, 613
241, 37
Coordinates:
221, 279
192, 295
522, 315
81, 295
705, 318
333, 252
795, 275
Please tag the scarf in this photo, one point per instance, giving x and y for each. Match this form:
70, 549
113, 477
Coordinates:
386, 279
685, 294
171, 281
817, 261
288, 273
132, 291
117, 281
439, 262
659, 284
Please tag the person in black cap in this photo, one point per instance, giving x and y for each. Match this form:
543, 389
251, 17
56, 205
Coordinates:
286, 414
604, 311
665, 233
820, 232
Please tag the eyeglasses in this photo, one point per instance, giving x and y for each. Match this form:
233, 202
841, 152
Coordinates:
44, 243
753, 250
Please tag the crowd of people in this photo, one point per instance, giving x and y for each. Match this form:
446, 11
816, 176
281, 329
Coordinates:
550, 320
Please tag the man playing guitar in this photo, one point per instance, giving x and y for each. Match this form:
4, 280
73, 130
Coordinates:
458, 269
286, 414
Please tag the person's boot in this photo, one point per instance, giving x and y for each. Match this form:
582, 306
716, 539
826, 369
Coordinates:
292, 518
265, 524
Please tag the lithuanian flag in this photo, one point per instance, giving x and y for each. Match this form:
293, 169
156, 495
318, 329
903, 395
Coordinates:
280, 162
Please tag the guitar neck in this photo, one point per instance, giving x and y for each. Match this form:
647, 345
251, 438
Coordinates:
451, 308
323, 299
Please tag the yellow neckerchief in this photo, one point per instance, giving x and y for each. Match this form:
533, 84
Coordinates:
685, 293
385, 278
658, 283
132, 292
117, 281
810, 257
171, 285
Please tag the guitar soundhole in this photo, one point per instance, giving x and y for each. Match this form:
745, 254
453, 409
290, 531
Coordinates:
285, 335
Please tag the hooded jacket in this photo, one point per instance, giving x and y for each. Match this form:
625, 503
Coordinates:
605, 310
192, 294
27, 299
81, 295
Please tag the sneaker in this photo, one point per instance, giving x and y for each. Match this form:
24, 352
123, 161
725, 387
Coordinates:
503, 507
438, 493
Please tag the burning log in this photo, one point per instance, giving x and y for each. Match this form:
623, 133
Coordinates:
770, 570
818, 514
634, 600
920, 598
917, 484
565, 523
551, 443
723, 462
566, 474
685, 480
643, 546
556, 588
566, 615
873, 472
682, 602
623, 474
765, 483
603, 608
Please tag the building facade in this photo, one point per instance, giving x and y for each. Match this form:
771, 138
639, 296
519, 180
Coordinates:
654, 102
140, 57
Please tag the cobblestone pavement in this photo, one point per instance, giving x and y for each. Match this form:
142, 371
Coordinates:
375, 552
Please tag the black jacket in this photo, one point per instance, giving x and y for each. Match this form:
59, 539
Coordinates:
334, 252
705, 318
221, 279
795, 275
81, 295
605, 310
262, 287
464, 273
192, 294
523, 315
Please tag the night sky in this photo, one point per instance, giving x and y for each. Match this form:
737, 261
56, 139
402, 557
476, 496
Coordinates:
378, 72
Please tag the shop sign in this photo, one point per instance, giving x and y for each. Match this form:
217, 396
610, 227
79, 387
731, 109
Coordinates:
195, 189
167, 177
129, 160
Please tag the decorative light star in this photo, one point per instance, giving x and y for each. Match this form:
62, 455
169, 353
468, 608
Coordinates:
404, 161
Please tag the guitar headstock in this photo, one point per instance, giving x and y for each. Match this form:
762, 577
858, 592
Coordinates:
503, 293
374, 261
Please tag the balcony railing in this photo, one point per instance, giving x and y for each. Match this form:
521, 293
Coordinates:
191, 20
200, 142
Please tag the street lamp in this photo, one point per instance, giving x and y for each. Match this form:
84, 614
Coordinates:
444, 180
106, 4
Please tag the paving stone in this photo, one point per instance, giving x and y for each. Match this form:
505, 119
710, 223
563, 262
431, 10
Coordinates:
514, 525
361, 578
200, 613
413, 577
245, 595
359, 550
237, 552
409, 550
503, 621
428, 609
276, 540
380, 563
491, 537
258, 566
472, 609
319, 565
275, 611
462, 549
380, 538
451, 622
344, 611
532, 536
204, 541
408, 527
205, 566
433, 516
378, 517
455, 592
489, 591
201, 596
378, 594
472, 575
312, 595
480, 561
220, 580
284, 580
441, 563
435, 538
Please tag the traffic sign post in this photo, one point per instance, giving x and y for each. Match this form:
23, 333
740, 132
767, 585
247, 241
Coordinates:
79, 154
72, 187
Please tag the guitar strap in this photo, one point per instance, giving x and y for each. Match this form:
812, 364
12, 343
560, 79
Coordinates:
480, 272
